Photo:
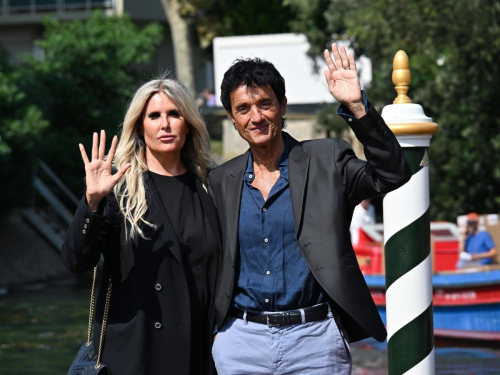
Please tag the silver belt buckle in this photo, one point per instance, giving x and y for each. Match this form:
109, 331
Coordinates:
269, 324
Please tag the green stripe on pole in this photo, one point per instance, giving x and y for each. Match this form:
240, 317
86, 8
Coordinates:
414, 156
407, 248
411, 344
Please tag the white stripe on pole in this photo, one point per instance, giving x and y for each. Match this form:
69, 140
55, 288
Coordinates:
408, 297
407, 204
425, 367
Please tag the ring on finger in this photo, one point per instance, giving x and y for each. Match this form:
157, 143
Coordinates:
347, 67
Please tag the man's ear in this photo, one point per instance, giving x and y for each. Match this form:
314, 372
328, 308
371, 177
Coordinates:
231, 116
283, 105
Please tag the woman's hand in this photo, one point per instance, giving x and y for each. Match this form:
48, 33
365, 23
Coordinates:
343, 81
99, 177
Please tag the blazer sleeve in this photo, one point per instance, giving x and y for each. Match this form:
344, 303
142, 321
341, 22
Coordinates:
386, 168
89, 235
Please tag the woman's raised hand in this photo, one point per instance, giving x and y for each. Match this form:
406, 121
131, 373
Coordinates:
100, 179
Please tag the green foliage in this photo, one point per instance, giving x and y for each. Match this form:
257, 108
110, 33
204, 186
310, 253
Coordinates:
83, 81
312, 18
331, 122
244, 17
253, 17
453, 48
20, 124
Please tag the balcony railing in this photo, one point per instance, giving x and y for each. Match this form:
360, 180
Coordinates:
42, 7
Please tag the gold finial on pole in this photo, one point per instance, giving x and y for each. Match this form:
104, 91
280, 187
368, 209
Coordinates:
401, 77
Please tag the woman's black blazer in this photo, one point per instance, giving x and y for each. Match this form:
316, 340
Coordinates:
149, 325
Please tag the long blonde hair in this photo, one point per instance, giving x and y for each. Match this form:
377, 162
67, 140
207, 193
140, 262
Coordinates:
130, 191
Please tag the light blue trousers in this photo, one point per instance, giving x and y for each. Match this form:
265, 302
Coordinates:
315, 348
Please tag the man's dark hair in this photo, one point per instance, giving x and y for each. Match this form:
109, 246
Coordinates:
251, 72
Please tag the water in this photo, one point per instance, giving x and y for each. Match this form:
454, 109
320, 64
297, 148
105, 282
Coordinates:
41, 331
370, 358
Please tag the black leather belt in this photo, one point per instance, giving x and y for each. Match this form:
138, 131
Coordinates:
284, 318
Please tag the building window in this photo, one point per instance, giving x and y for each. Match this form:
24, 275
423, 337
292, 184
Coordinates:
43, 6
45, 3
19, 4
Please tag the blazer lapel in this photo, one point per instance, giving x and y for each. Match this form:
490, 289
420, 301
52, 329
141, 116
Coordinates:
165, 231
209, 210
298, 164
234, 184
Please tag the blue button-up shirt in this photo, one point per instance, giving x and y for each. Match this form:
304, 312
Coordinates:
272, 273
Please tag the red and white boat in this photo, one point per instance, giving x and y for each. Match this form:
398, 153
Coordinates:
466, 302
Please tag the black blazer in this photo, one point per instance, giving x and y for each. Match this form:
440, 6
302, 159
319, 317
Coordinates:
326, 182
149, 325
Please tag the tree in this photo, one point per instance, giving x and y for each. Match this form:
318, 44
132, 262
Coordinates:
83, 83
180, 14
197, 22
328, 120
453, 48
245, 17
20, 124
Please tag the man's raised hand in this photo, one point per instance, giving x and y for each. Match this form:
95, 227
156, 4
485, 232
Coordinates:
343, 81
99, 177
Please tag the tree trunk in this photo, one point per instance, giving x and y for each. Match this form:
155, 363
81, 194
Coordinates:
181, 38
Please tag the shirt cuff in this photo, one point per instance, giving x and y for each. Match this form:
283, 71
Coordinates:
346, 114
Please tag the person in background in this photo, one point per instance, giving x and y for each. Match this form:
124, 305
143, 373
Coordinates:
364, 213
209, 96
479, 248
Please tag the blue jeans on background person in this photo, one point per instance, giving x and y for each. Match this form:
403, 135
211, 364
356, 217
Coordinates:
243, 348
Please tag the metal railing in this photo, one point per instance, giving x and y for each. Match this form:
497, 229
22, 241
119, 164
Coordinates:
52, 230
44, 7
58, 182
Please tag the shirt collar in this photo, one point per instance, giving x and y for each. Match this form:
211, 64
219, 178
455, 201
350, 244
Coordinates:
282, 164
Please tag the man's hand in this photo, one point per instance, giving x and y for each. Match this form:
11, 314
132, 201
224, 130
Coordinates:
491, 253
343, 81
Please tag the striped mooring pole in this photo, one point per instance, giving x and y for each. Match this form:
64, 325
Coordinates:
408, 265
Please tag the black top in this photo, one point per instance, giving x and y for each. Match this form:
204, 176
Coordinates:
199, 246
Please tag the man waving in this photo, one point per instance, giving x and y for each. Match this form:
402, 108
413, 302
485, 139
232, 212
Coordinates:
290, 294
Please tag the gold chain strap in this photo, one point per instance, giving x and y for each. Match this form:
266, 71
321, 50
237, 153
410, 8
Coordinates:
104, 318
104, 323
92, 308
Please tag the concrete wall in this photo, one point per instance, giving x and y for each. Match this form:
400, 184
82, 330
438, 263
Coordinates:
25, 257
142, 10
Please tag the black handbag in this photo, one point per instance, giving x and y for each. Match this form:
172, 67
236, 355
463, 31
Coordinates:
87, 361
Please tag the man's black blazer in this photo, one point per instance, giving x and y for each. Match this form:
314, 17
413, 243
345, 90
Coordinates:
326, 182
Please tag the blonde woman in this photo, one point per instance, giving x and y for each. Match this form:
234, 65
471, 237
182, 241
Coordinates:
155, 215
